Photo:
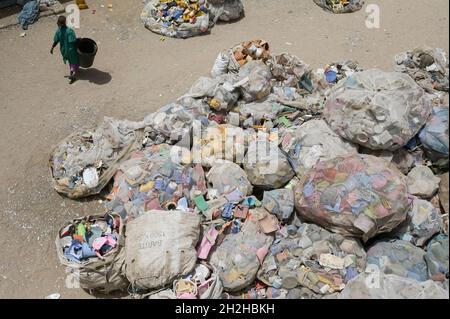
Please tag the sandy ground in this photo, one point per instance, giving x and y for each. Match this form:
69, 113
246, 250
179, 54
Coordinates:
134, 74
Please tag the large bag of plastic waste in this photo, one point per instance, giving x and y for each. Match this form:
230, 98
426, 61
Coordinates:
437, 258
359, 196
181, 19
312, 257
313, 142
427, 66
83, 163
231, 60
422, 182
422, 223
390, 286
340, 6
159, 177
29, 14
92, 249
238, 257
226, 177
160, 247
434, 136
378, 110
225, 10
398, 257
267, 166
254, 81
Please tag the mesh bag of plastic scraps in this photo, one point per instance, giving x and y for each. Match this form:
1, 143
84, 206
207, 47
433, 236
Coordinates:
390, 286
231, 60
266, 165
422, 223
261, 114
437, 258
434, 136
219, 93
83, 163
312, 257
225, 10
340, 6
427, 66
160, 247
400, 258
177, 19
378, 110
359, 196
238, 257
92, 248
173, 122
254, 81
159, 177
312, 142
226, 177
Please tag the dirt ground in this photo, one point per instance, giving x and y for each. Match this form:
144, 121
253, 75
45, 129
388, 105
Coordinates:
134, 74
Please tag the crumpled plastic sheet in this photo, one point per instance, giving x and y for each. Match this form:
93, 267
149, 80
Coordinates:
150, 17
427, 66
399, 257
422, 223
359, 196
254, 81
312, 257
313, 142
339, 6
391, 286
378, 110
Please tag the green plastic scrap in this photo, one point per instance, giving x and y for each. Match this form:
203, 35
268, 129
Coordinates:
201, 203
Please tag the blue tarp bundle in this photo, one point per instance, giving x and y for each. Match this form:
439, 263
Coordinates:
29, 14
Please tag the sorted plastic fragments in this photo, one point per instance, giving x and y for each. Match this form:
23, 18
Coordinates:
340, 6
226, 177
358, 196
178, 19
312, 257
92, 248
83, 163
427, 66
391, 286
312, 142
422, 223
225, 10
422, 182
160, 246
398, 257
361, 109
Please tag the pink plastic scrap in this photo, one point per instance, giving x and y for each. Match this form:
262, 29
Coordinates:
207, 243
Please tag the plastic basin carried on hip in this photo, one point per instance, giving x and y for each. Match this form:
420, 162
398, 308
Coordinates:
87, 49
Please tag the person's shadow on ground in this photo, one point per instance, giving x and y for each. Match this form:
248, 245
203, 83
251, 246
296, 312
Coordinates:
93, 75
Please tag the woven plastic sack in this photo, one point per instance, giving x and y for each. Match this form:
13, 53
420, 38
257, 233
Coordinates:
389, 286
226, 177
437, 256
359, 196
434, 136
160, 246
422, 223
399, 257
378, 110
83, 163
156, 178
313, 142
152, 14
266, 166
238, 258
312, 257
225, 10
340, 6
104, 275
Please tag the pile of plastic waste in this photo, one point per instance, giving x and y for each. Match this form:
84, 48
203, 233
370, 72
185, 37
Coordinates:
340, 6
267, 179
